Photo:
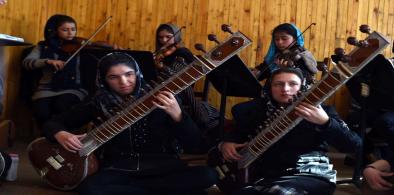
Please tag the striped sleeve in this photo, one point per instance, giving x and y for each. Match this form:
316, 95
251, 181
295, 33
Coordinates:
33, 61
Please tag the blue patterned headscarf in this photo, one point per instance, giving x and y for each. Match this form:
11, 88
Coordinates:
273, 50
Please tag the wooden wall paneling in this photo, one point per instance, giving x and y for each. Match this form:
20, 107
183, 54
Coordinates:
248, 24
134, 23
340, 41
130, 41
308, 20
390, 25
313, 35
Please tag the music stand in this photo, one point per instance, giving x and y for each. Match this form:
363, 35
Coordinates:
143, 58
7, 42
233, 78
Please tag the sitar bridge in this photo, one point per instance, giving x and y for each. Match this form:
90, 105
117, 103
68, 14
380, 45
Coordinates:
55, 162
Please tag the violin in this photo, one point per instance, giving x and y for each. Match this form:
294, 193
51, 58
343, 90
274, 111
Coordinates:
164, 52
77, 42
291, 56
88, 41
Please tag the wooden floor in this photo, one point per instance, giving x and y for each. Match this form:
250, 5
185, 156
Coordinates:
28, 182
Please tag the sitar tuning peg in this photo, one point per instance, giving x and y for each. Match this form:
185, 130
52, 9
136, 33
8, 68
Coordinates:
365, 29
340, 56
213, 37
355, 42
227, 28
339, 51
322, 66
200, 47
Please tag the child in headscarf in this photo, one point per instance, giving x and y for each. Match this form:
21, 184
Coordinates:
287, 50
202, 113
60, 86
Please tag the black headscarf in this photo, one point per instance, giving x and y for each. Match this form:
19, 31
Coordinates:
271, 103
50, 31
106, 98
171, 28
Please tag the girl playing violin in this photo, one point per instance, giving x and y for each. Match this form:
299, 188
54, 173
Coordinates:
173, 57
169, 46
59, 87
287, 50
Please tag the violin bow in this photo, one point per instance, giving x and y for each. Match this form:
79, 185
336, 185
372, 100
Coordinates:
89, 39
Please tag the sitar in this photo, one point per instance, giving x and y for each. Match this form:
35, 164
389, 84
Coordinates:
234, 174
64, 170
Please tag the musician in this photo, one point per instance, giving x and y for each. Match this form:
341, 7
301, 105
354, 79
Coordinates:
172, 57
147, 144
297, 163
379, 110
282, 54
59, 87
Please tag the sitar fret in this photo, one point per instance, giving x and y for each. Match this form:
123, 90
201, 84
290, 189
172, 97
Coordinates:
108, 130
97, 138
124, 115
